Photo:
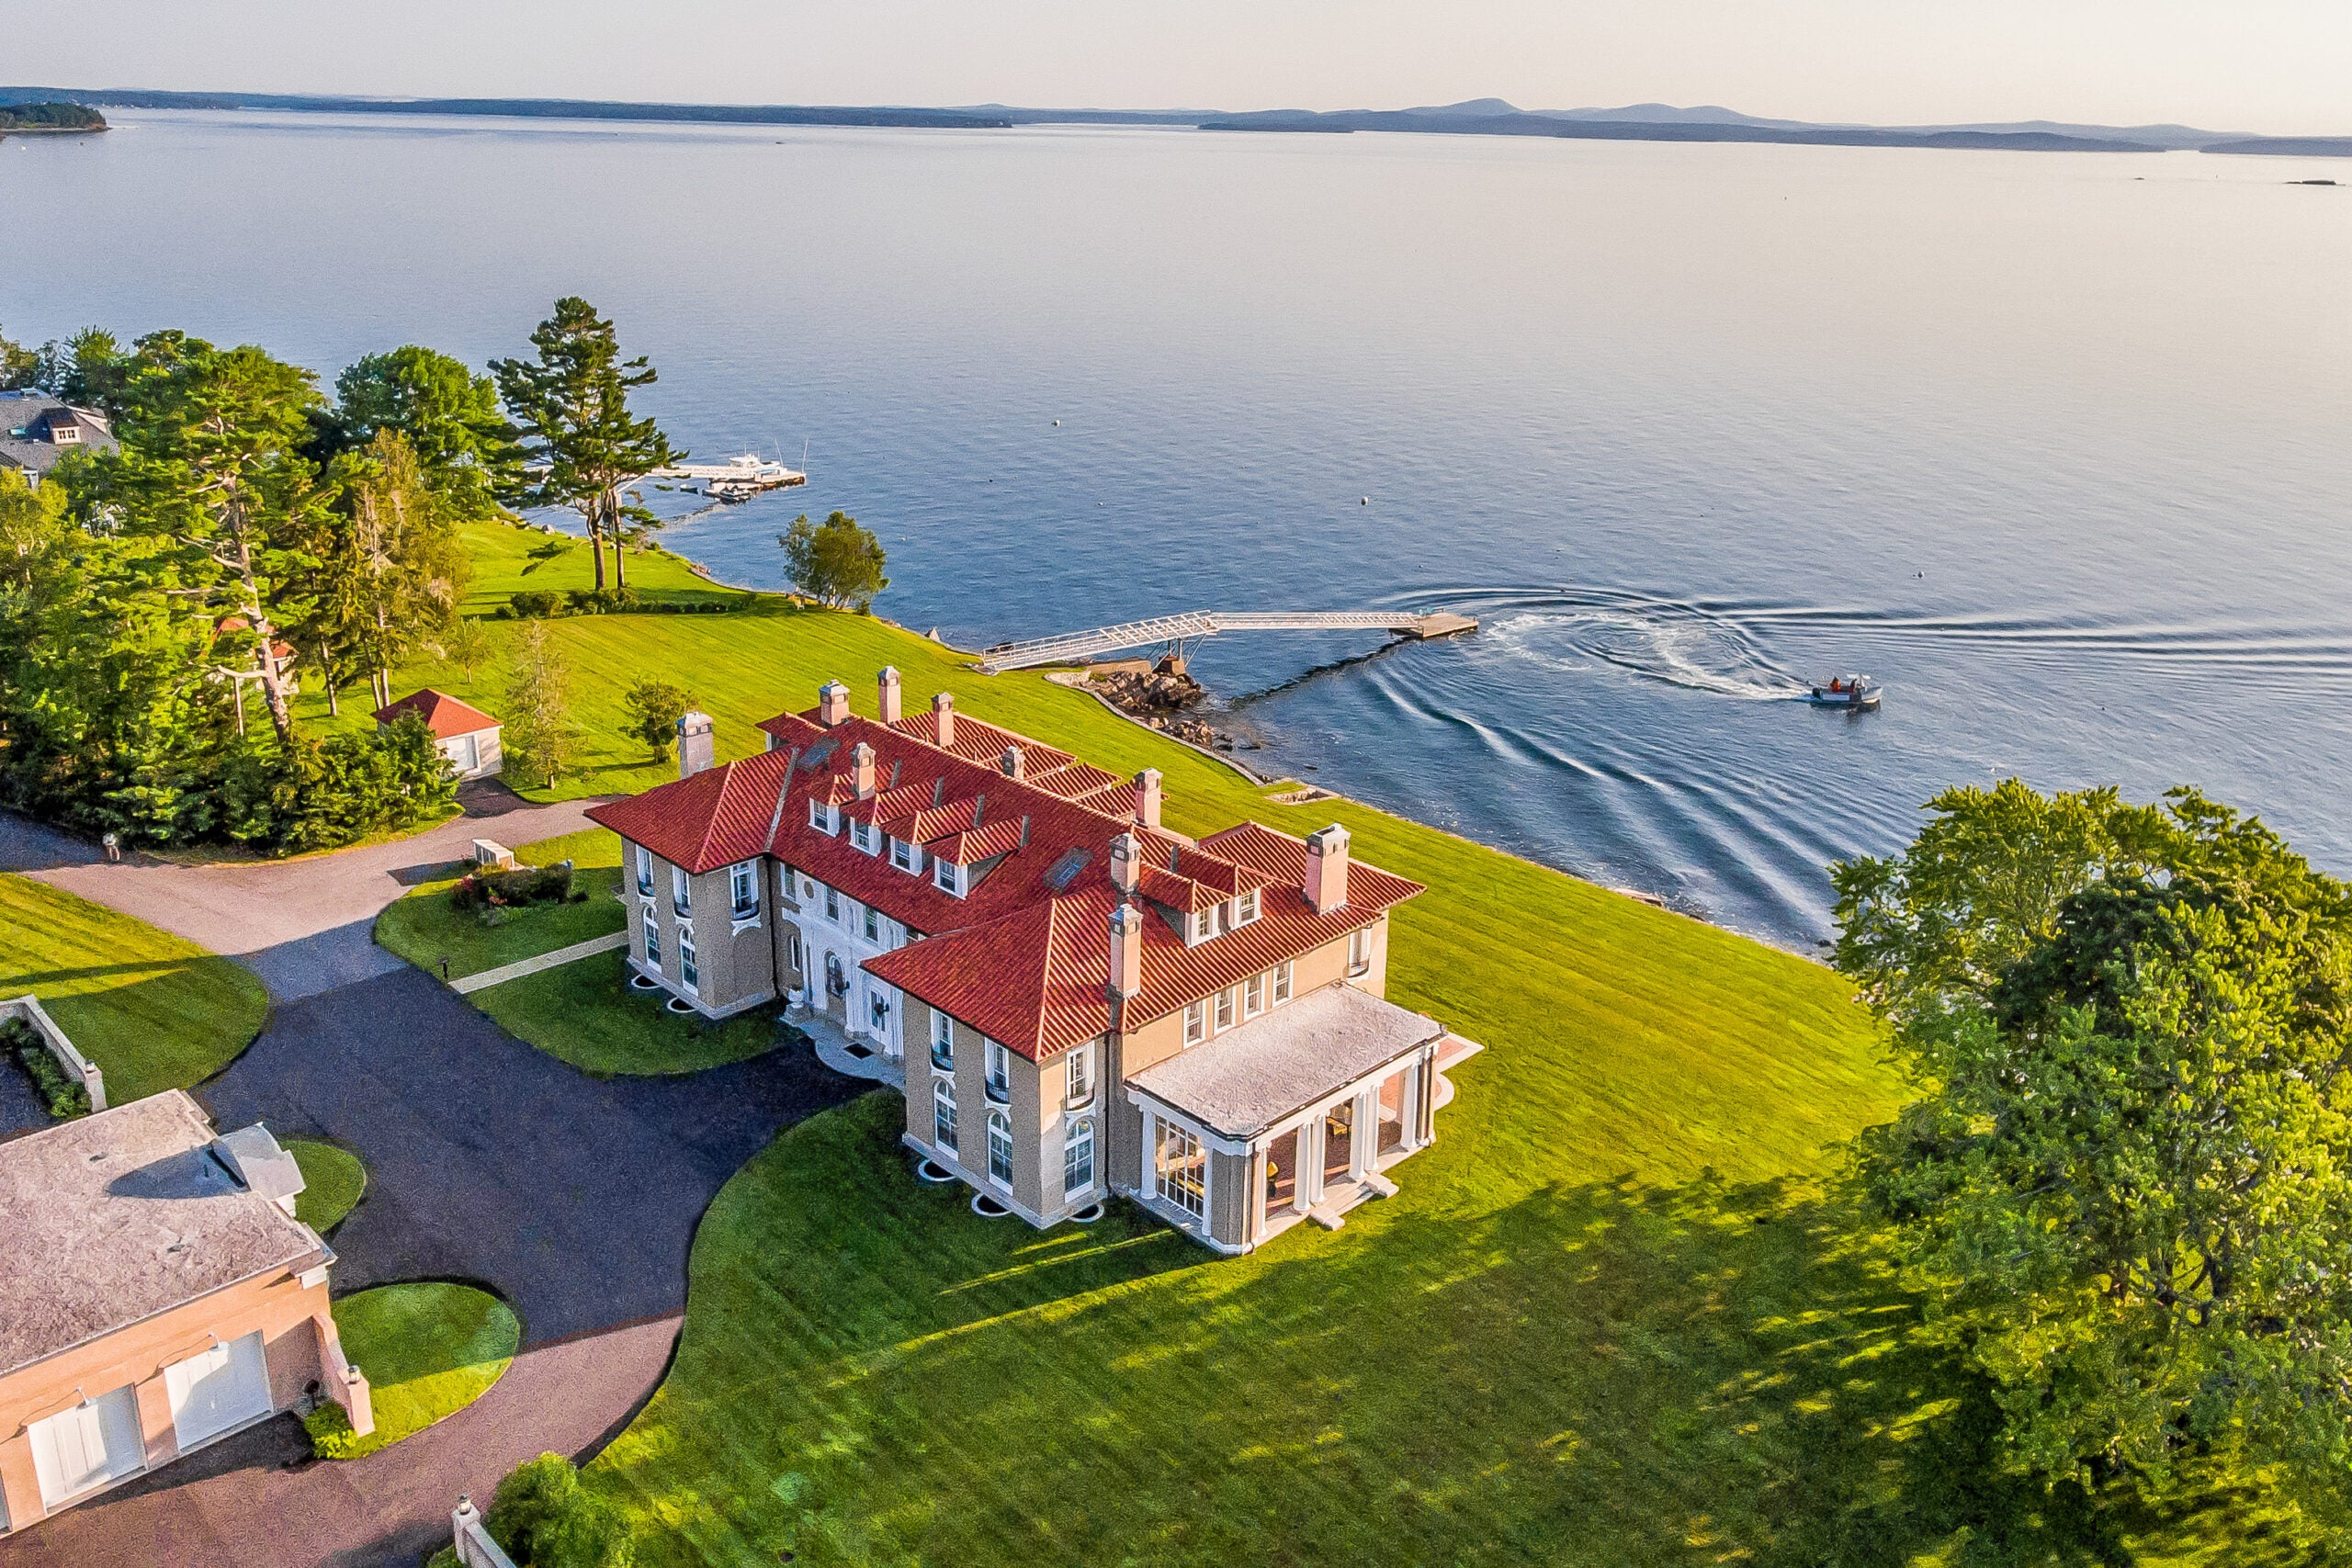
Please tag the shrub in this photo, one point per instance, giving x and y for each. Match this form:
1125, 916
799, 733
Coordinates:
323, 794
491, 892
329, 1429
602, 601
545, 1518
535, 603
654, 708
65, 1095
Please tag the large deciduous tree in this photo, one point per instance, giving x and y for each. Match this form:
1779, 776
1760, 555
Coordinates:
213, 467
541, 741
836, 561
448, 415
584, 444
2125, 1186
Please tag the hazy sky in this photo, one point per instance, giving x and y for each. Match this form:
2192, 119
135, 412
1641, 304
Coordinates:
2274, 65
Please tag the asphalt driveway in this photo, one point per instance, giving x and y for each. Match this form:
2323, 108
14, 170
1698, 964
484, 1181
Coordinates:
574, 1197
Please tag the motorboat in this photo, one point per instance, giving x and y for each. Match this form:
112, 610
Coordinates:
1845, 692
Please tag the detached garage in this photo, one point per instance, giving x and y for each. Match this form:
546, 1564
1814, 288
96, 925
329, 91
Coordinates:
156, 1294
467, 736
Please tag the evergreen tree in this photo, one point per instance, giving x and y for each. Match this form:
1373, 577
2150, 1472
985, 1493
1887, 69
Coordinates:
541, 741
211, 471
572, 406
449, 416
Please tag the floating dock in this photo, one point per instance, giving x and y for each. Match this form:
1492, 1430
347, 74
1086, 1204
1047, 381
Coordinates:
1176, 632
735, 479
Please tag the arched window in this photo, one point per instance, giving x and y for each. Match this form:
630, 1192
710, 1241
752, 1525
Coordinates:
943, 1114
999, 1148
1078, 1158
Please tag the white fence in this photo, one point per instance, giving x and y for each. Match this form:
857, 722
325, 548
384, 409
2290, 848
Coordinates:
77, 1067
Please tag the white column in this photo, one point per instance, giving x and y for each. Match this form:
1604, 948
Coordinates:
1149, 1184
1310, 1162
1363, 1132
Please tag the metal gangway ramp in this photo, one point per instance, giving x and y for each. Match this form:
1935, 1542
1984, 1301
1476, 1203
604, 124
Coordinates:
1177, 632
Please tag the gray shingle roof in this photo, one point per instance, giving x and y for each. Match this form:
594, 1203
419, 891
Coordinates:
1247, 1078
114, 1217
24, 432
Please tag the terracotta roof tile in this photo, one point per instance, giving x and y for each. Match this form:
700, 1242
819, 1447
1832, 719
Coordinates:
443, 714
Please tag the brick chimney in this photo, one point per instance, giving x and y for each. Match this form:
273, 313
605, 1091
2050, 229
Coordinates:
1127, 862
832, 704
1327, 869
861, 775
1126, 952
1148, 798
943, 719
886, 705
695, 750
1013, 762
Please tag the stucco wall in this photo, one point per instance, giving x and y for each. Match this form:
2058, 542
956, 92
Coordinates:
291, 1318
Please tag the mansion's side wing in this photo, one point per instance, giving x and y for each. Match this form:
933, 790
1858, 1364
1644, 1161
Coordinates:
1079, 1000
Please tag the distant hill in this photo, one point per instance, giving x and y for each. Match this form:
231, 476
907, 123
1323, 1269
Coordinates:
1471, 117
2290, 146
1518, 123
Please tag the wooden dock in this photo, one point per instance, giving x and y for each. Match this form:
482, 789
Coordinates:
1176, 632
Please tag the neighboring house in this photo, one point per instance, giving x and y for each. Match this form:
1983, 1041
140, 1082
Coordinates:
156, 1294
1082, 1002
468, 735
36, 430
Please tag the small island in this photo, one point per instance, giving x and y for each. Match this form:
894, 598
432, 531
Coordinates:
48, 119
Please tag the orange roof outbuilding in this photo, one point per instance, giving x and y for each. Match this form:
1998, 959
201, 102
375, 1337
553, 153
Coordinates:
443, 714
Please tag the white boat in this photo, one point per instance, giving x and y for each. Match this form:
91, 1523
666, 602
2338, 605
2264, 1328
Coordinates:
1845, 692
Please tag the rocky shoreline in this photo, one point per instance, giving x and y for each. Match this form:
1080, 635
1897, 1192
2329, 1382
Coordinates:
1162, 694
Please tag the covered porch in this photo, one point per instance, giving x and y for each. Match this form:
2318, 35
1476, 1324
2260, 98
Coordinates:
1297, 1114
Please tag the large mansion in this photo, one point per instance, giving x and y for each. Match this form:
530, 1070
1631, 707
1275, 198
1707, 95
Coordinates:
1079, 1000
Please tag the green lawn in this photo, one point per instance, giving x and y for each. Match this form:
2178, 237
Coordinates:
1610, 1318
584, 1014
153, 1011
508, 558
424, 928
428, 1349
333, 1182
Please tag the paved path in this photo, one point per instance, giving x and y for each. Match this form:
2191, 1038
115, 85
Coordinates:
304, 926
466, 985
574, 1197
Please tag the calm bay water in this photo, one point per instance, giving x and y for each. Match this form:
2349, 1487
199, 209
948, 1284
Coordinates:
2053, 445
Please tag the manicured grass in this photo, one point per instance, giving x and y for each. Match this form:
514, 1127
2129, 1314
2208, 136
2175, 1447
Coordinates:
154, 1011
585, 1014
508, 558
425, 926
428, 1349
333, 1182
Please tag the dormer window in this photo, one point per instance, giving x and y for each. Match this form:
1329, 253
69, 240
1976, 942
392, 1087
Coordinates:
905, 856
1204, 926
1245, 907
949, 876
861, 833
821, 816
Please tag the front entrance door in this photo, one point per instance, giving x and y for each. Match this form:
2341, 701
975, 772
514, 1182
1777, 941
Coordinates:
217, 1389
87, 1445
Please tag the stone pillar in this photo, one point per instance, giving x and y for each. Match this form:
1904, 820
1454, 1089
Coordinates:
20, 1482
1254, 1221
158, 1436
341, 1381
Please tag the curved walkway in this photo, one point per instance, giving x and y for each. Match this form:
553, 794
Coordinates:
574, 1197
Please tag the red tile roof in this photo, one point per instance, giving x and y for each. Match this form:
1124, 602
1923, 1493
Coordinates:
1024, 956
443, 714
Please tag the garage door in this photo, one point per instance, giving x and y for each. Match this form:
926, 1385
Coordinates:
87, 1445
218, 1389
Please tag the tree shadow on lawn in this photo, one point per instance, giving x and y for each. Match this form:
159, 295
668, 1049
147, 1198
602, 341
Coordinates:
1591, 1373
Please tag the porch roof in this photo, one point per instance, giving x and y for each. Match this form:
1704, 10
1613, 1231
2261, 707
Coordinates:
1246, 1080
